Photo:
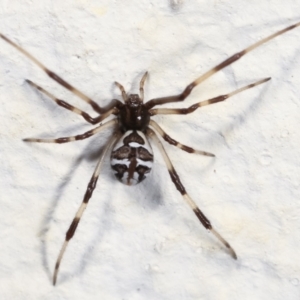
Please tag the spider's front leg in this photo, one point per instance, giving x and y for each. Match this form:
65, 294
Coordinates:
176, 180
61, 81
76, 110
192, 108
185, 93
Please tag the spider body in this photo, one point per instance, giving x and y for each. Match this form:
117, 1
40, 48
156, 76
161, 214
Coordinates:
132, 156
133, 115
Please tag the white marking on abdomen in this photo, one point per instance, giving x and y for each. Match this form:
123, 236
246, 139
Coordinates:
132, 157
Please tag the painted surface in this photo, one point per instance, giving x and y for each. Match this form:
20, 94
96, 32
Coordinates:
144, 242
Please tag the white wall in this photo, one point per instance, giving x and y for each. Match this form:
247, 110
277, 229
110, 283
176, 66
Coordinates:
144, 242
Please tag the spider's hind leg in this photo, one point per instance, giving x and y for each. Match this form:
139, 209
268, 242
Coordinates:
88, 194
176, 180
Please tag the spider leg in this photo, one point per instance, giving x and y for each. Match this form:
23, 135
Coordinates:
74, 109
142, 85
173, 142
176, 180
222, 65
59, 80
68, 139
192, 108
88, 194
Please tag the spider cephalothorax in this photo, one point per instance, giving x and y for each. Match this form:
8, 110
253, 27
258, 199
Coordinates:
133, 115
132, 156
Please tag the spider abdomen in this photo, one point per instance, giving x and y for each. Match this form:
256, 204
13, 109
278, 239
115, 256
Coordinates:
132, 157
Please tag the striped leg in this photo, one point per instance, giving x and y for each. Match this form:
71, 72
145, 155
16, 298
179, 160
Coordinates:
192, 108
75, 137
222, 65
74, 109
176, 180
59, 80
88, 194
171, 141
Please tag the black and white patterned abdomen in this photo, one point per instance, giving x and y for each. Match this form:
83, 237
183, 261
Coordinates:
132, 157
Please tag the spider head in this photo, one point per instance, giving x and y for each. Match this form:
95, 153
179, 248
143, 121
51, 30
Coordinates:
134, 100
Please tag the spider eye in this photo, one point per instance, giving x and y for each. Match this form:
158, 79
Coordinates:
134, 100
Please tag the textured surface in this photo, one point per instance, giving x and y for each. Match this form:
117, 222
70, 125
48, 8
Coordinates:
144, 242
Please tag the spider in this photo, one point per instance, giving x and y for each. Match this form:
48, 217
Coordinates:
131, 152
